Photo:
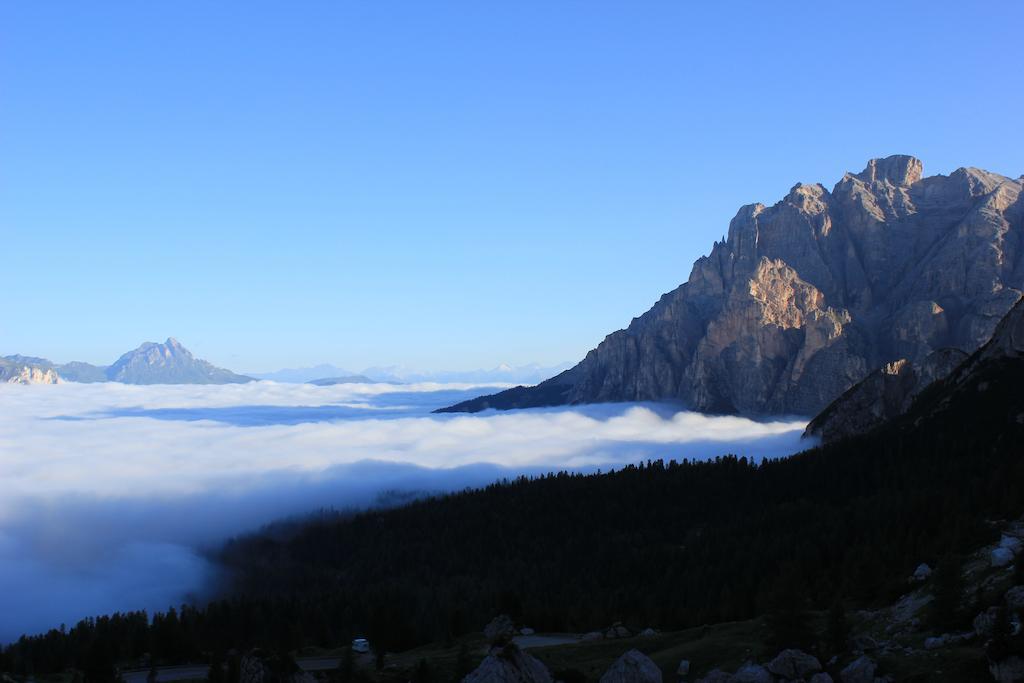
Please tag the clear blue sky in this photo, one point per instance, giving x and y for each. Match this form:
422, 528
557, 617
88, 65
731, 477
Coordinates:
441, 184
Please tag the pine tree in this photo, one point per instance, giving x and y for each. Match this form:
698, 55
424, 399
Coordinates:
947, 593
216, 672
998, 648
346, 667
837, 631
422, 673
788, 623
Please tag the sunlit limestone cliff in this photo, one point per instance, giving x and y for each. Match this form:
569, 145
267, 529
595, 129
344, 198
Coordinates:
26, 370
804, 298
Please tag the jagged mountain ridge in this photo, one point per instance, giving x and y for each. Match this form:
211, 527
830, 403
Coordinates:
803, 298
150, 363
168, 363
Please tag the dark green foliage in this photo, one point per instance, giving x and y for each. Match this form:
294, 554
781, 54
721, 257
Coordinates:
423, 673
216, 672
999, 647
98, 664
234, 672
837, 629
346, 667
946, 610
464, 664
788, 621
570, 676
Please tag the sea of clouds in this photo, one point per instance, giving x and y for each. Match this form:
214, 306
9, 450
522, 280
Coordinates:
110, 493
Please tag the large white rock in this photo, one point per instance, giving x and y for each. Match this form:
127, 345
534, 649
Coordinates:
752, 673
500, 630
1015, 599
794, 664
984, 622
509, 665
1010, 670
860, 670
1011, 543
633, 667
1001, 557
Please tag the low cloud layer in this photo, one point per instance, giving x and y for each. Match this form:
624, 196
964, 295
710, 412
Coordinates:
110, 491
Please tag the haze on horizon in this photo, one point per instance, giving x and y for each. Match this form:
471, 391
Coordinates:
444, 186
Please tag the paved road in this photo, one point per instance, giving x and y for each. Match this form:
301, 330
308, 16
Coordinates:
194, 672
527, 642
189, 672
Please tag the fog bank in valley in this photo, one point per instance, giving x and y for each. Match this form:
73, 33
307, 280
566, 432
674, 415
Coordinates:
111, 492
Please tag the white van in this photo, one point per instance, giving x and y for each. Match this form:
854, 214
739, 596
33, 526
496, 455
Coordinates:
361, 645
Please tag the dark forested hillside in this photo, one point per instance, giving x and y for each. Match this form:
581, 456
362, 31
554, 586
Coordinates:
662, 544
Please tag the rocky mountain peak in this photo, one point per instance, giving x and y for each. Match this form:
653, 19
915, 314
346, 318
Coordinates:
168, 363
899, 169
805, 297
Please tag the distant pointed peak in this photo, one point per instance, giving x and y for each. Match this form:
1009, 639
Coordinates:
898, 169
172, 342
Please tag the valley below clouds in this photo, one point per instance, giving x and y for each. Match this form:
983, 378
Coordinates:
113, 494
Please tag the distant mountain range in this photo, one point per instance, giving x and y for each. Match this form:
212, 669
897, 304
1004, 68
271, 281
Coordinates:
397, 374
150, 363
804, 298
344, 379
172, 363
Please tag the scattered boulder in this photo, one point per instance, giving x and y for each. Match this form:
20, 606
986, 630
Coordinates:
864, 643
258, 666
794, 664
1001, 557
648, 632
1015, 599
922, 572
984, 622
1011, 543
617, 630
509, 664
860, 670
947, 639
252, 670
500, 631
752, 673
633, 667
526, 631
683, 670
1009, 670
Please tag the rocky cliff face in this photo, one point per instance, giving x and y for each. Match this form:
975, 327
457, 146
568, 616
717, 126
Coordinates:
805, 297
884, 394
890, 391
168, 363
24, 370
